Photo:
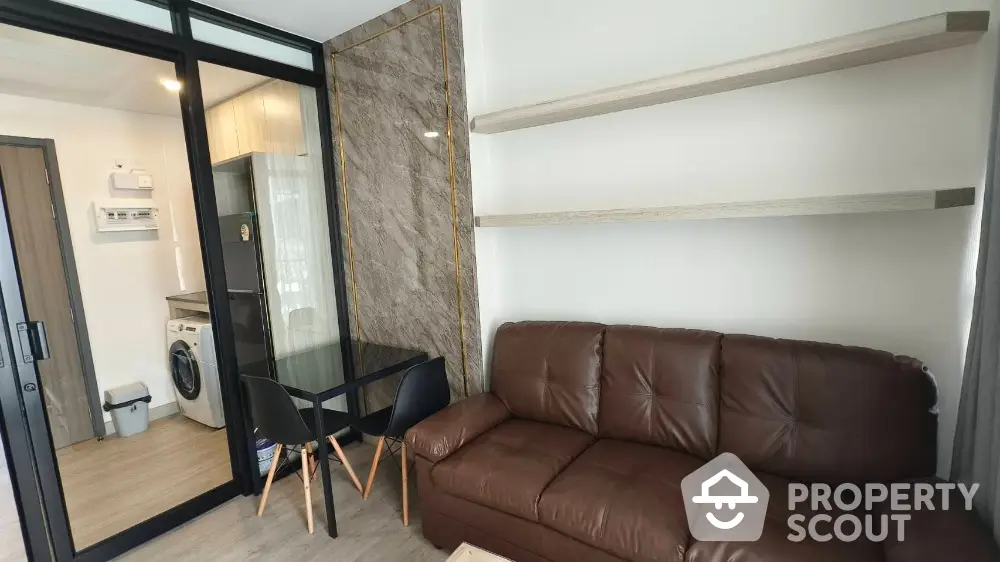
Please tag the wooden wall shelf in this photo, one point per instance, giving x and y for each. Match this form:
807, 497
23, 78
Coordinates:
933, 33
833, 205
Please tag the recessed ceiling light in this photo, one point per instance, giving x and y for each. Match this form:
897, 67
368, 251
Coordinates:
171, 85
432, 134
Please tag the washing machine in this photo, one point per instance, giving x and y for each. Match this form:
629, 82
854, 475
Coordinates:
194, 370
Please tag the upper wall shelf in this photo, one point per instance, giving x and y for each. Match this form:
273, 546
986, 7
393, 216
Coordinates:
933, 33
832, 205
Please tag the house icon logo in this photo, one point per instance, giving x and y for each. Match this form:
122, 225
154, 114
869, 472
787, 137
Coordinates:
724, 501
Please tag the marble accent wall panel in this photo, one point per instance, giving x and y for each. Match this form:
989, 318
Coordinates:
399, 111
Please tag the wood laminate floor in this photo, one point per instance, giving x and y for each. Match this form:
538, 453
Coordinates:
114, 484
370, 530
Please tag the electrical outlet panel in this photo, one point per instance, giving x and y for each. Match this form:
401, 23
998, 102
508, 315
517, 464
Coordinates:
114, 217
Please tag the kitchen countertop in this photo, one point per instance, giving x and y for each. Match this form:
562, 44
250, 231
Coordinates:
194, 298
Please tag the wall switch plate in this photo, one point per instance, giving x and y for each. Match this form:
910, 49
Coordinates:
131, 180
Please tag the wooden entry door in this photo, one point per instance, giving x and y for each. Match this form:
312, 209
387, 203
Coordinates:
25, 184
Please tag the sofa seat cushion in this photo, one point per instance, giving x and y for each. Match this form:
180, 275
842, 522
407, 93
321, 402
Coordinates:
774, 546
623, 498
507, 467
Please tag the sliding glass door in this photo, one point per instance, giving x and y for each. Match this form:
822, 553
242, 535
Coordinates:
22, 526
274, 218
124, 277
10, 516
116, 337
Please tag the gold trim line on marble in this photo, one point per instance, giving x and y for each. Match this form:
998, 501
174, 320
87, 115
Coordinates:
347, 216
454, 203
438, 8
454, 199
347, 200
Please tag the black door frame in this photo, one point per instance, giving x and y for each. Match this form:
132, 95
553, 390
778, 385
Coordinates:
185, 52
13, 424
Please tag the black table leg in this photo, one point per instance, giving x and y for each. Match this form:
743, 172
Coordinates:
354, 410
323, 452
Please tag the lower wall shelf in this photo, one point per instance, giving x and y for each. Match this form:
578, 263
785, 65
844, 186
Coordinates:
831, 205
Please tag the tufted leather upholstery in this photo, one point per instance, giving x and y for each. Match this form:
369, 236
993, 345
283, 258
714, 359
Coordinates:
510, 466
446, 433
548, 371
578, 453
661, 387
633, 506
823, 412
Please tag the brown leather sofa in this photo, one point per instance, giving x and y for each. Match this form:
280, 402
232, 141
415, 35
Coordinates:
578, 451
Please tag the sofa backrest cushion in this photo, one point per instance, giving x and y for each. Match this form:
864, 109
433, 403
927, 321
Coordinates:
548, 371
826, 413
661, 387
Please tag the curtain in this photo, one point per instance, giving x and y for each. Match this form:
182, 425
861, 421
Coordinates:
298, 264
976, 456
297, 256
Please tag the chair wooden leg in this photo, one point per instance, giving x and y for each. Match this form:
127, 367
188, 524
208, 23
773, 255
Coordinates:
346, 463
312, 461
371, 474
305, 486
406, 490
270, 478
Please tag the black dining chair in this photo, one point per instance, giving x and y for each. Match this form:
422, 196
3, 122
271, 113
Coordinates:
280, 420
422, 392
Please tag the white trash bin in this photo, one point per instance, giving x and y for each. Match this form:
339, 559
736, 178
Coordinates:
129, 408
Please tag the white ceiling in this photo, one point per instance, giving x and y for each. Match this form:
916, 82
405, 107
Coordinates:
316, 19
37, 65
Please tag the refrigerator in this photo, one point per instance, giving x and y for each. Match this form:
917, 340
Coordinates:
275, 225
247, 301
278, 260
242, 256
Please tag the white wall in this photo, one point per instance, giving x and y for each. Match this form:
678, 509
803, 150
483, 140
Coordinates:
124, 276
900, 282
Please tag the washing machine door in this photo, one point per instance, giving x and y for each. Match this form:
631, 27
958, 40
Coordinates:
184, 370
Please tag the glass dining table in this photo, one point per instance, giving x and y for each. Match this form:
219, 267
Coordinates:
319, 374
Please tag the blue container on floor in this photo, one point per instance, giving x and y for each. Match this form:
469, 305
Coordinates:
265, 453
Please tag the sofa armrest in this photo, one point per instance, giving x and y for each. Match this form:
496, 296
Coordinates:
930, 536
448, 430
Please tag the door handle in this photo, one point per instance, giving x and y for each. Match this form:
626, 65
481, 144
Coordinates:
34, 343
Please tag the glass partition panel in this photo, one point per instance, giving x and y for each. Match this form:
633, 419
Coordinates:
108, 250
250, 44
264, 139
134, 11
10, 523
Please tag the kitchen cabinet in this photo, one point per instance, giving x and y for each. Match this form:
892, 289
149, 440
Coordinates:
251, 122
223, 142
266, 119
283, 109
